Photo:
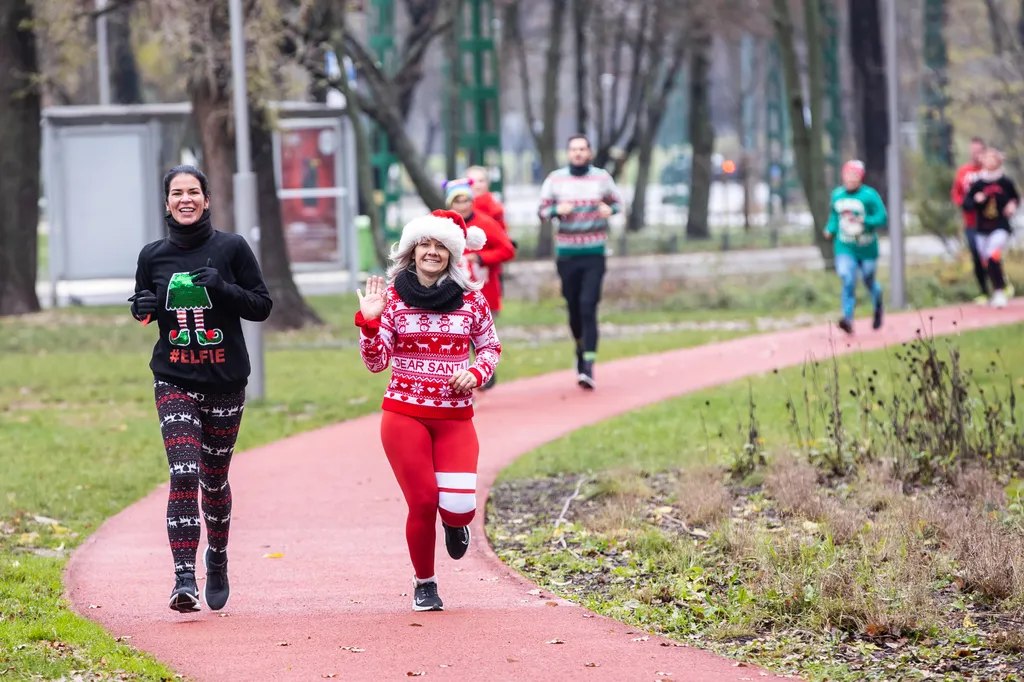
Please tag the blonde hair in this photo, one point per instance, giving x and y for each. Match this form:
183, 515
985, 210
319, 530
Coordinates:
478, 171
404, 259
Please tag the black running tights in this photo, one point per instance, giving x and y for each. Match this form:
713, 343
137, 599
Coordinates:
199, 432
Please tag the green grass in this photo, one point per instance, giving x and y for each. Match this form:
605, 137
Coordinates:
702, 427
81, 442
825, 592
81, 439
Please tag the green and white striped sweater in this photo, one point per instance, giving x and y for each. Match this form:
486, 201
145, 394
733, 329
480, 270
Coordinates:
583, 231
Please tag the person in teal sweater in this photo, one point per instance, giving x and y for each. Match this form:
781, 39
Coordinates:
855, 215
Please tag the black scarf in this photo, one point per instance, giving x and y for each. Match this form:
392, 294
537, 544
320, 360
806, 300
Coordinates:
189, 236
445, 297
579, 171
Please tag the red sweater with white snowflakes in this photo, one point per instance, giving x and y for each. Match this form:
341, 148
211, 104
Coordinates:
425, 349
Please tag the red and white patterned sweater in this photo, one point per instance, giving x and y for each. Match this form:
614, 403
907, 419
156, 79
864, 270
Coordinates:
425, 348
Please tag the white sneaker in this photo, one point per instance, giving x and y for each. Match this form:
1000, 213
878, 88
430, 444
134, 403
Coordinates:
998, 299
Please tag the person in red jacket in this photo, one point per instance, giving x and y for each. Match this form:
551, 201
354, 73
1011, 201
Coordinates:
481, 264
422, 323
485, 202
966, 175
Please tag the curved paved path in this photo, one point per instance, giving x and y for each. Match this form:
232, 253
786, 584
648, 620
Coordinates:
327, 501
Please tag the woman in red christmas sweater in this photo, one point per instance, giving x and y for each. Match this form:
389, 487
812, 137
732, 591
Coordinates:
422, 324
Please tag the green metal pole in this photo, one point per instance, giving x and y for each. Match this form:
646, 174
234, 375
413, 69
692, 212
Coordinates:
478, 133
777, 130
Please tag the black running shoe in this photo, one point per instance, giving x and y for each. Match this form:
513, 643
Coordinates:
585, 378
185, 596
879, 314
217, 590
456, 540
846, 325
426, 599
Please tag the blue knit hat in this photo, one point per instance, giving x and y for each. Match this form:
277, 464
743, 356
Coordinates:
457, 188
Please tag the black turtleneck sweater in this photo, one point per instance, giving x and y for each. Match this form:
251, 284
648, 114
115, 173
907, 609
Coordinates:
200, 347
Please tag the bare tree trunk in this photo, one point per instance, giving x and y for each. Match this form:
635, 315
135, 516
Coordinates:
20, 142
364, 165
870, 92
290, 310
126, 85
383, 108
210, 110
552, 70
581, 15
702, 136
645, 159
807, 140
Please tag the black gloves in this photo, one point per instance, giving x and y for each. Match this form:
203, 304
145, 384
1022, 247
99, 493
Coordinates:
207, 276
143, 304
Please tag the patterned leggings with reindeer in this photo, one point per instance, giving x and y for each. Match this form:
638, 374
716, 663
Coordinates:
199, 432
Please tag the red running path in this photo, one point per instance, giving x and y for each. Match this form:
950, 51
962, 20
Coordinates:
327, 501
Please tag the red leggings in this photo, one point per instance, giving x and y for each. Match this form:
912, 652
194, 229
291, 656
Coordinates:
434, 461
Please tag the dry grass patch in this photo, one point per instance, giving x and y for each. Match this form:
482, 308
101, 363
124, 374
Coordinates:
702, 496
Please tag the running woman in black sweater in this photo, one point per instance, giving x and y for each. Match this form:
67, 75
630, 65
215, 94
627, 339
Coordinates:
198, 284
994, 198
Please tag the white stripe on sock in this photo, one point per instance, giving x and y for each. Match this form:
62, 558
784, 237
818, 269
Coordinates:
456, 481
457, 503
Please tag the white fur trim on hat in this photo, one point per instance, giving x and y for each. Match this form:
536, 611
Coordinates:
475, 238
445, 231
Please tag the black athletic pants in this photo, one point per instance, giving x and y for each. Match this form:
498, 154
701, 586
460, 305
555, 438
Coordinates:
582, 278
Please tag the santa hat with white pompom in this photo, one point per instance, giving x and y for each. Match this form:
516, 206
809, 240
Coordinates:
447, 227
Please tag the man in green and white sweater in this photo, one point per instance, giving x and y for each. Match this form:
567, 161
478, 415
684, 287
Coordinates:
856, 213
582, 198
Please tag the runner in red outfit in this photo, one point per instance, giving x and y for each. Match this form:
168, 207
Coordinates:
483, 265
484, 200
965, 177
423, 324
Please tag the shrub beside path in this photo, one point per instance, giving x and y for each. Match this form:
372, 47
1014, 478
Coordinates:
336, 602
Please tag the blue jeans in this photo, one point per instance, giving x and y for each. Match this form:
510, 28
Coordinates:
847, 268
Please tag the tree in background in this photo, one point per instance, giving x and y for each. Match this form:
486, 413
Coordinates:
20, 148
702, 131
808, 135
870, 94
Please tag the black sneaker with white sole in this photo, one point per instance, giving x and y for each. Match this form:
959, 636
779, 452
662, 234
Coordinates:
585, 377
425, 597
456, 540
217, 590
185, 596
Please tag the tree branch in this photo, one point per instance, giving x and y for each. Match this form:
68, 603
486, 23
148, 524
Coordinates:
93, 15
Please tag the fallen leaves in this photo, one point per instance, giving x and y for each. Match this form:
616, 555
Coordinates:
273, 555
353, 649
282, 644
555, 641
418, 673
592, 665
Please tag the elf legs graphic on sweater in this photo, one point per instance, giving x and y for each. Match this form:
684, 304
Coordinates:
435, 463
199, 432
183, 296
